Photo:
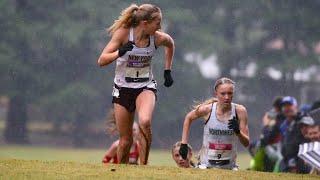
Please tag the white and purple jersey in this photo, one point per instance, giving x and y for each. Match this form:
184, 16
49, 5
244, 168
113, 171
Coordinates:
133, 69
219, 142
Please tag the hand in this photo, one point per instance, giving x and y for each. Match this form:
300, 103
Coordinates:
127, 47
183, 151
234, 125
168, 81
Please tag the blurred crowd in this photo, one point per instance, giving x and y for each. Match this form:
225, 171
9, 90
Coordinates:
285, 126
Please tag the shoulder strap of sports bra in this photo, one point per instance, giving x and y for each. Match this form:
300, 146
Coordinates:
235, 112
152, 42
131, 38
213, 107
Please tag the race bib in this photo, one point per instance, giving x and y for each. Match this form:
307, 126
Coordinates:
219, 151
138, 69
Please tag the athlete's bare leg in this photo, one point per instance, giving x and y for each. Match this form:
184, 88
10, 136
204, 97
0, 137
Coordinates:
124, 121
145, 105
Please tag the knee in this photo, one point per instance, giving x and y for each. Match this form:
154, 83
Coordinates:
126, 141
145, 122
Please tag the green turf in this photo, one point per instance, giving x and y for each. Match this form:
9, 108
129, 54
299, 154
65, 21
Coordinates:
157, 157
26, 162
31, 169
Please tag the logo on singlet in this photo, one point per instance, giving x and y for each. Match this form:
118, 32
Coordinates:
139, 60
221, 132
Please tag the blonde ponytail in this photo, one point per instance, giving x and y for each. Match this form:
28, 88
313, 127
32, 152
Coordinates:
132, 15
126, 19
206, 102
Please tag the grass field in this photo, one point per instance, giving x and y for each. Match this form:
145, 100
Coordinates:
157, 157
25, 162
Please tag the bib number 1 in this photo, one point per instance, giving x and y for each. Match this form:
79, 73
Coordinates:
138, 69
137, 74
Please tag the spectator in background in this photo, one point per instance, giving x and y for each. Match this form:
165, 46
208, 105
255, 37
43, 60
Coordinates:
292, 137
274, 113
269, 144
272, 121
313, 133
307, 125
305, 108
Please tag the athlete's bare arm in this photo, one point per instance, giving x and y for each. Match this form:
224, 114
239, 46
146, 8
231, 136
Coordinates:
243, 124
110, 52
202, 111
163, 39
112, 151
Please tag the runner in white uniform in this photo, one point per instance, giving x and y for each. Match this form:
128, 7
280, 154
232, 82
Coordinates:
225, 124
133, 69
219, 147
135, 36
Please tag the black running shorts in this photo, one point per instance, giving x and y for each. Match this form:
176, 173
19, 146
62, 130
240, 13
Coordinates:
127, 97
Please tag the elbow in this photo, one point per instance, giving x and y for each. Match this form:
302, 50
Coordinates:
99, 62
187, 120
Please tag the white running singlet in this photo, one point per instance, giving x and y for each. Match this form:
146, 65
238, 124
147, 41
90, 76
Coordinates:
133, 69
219, 148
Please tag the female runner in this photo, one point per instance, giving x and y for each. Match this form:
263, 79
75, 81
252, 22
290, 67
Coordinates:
225, 124
135, 38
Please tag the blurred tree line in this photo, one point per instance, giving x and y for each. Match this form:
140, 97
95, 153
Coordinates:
48, 53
